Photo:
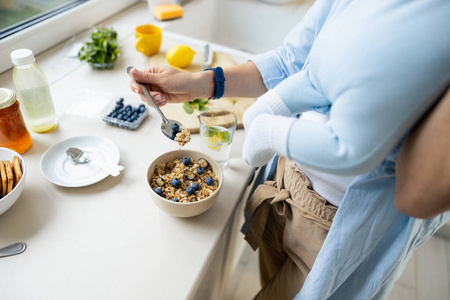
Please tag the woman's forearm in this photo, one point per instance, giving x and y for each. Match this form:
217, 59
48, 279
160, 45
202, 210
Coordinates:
244, 80
423, 166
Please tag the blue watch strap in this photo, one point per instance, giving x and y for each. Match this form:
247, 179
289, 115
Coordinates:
219, 80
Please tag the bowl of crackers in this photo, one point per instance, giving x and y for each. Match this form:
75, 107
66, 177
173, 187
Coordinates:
12, 173
184, 183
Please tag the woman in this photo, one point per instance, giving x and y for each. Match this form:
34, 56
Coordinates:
373, 68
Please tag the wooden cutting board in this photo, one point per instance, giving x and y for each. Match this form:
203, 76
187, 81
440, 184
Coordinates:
190, 121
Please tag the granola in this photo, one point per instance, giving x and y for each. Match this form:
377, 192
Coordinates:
183, 137
184, 180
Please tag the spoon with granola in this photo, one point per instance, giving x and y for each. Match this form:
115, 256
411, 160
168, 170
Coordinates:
167, 126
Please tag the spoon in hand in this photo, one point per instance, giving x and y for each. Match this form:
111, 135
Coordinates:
166, 124
79, 156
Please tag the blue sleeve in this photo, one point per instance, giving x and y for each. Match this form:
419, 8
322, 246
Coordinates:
378, 69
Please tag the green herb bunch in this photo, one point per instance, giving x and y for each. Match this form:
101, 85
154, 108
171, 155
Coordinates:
197, 104
103, 48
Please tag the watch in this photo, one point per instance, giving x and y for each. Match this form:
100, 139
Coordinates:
219, 80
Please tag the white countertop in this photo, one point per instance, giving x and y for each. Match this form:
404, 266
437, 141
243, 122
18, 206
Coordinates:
108, 240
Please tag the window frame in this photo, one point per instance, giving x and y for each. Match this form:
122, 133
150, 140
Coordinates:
54, 30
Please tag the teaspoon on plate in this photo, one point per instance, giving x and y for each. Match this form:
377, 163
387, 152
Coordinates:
166, 124
79, 156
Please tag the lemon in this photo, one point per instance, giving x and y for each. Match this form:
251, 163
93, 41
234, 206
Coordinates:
214, 143
180, 56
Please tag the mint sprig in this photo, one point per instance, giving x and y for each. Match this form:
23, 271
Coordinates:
198, 104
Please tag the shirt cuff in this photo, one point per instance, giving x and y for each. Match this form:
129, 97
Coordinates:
279, 132
275, 103
267, 66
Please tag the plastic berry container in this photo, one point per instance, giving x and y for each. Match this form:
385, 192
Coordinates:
105, 115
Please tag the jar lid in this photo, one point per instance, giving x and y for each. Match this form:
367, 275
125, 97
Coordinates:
22, 57
7, 97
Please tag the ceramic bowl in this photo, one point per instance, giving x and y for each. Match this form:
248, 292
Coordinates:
184, 210
9, 199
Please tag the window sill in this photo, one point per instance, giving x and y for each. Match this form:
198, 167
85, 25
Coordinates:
48, 33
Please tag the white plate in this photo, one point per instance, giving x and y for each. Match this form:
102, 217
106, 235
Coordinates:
58, 168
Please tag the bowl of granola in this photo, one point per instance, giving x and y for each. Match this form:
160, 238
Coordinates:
184, 183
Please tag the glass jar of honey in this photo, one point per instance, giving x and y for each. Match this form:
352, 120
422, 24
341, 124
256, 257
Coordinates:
13, 131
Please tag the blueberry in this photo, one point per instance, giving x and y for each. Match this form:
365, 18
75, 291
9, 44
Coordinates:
142, 109
119, 116
202, 162
175, 127
209, 181
189, 175
121, 99
186, 161
173, 134
190, 190
200, 170
159, 192
175, 200
176, 183
196, 186
159, 181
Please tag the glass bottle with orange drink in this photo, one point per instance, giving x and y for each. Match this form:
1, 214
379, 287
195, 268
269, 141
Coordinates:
13, 131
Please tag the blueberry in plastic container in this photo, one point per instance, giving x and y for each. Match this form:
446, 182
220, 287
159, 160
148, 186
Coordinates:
125, 116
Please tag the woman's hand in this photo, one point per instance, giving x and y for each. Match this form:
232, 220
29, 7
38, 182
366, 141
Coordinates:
170, 85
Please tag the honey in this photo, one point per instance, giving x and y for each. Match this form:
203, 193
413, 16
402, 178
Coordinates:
13, 131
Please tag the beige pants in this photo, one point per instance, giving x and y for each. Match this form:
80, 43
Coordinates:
289, 224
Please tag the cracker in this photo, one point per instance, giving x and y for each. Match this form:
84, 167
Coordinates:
3, 177
17, 170
9, 176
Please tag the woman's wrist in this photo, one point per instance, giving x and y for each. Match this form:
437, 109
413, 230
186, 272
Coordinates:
204, 84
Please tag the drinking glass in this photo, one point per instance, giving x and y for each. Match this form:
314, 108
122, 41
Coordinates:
217, 127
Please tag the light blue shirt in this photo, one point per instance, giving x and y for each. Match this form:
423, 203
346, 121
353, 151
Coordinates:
375, 66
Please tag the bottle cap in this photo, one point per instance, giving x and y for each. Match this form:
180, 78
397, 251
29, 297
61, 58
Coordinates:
22, 57
7, 98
